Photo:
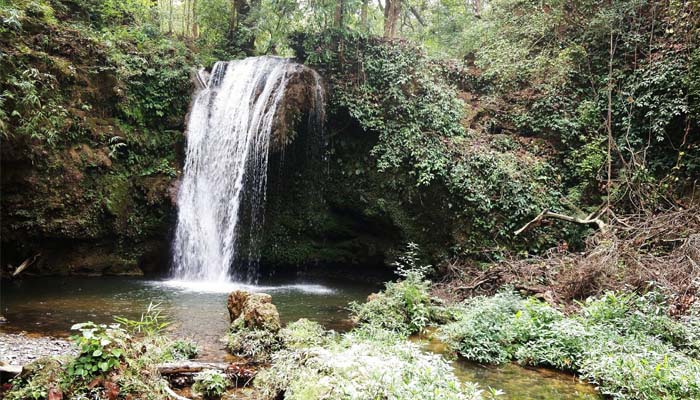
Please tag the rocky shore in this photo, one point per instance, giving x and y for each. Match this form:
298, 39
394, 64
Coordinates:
21, 349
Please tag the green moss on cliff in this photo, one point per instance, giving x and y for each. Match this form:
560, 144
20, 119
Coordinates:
91, 112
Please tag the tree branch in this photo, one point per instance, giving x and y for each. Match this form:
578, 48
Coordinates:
591, 219
172, 394
416, 14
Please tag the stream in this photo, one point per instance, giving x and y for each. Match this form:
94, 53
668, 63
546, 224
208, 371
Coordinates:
49, 306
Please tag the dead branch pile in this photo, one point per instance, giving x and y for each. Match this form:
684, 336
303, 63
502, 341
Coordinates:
636, 252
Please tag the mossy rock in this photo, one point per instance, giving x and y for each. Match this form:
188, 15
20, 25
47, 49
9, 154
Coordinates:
253, 311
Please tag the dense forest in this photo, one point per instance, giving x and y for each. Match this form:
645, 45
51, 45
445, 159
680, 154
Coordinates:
526, 172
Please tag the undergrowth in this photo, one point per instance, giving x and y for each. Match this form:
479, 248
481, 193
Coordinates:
367, 363
111, 363
625, 343
406, 306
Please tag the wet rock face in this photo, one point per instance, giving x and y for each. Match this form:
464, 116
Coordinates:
300, 100
253, 311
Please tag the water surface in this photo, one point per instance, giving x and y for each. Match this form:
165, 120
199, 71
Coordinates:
49, 306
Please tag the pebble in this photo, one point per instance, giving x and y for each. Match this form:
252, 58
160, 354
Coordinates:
21, 349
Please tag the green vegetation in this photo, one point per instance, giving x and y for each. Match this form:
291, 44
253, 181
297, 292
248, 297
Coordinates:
493, 111
257, 344
450, 124
110, 363
210, 383
100, 349
624, 343
366, 363
404, 307
91, 105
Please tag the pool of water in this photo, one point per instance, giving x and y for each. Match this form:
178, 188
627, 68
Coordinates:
49, 306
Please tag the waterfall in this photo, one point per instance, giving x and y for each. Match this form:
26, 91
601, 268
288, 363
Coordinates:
228, 143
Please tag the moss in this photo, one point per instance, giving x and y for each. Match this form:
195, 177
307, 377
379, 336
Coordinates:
92, 161
117, 197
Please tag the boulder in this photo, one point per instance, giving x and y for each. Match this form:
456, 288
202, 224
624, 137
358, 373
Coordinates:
253, 311
236, 302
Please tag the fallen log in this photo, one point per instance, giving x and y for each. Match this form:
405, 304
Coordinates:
10, 369
190, 367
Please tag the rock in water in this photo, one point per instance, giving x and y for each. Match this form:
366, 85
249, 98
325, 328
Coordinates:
253, 311
236, 302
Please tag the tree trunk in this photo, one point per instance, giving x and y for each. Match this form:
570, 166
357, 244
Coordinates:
195, 25
185, 18
363, 15
392, 11
170, 18
338, 18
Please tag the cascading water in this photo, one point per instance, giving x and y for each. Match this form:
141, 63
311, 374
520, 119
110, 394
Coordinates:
228, 143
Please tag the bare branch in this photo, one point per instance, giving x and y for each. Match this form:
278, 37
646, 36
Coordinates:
592, 219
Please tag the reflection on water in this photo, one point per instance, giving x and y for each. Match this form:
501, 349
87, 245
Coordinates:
52, 305
518, 383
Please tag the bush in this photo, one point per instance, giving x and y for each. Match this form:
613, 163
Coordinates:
691, 323
559, 345
182, 350
212, 384
623, 342
359, 365
257, 344
629, 313
639, 367
304, 333
101, 349
484, 331
406, 306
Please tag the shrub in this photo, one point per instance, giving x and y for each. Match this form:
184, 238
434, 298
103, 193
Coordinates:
559, 345
405, 306
691, 323
304, 333
639, 367
212, 384
101, 349
631, 313
257, 344
623, 342
484, 331
182, 349
359, 367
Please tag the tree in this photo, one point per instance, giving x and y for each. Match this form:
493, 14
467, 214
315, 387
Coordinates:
392, 11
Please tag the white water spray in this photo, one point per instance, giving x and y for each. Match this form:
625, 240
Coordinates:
228, 143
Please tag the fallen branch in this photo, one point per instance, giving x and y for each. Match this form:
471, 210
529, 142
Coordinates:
172, 394
201, 80
29, 261
189, 367
11, 369
592, 219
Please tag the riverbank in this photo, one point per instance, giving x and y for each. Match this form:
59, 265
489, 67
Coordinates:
23, 348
